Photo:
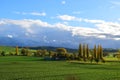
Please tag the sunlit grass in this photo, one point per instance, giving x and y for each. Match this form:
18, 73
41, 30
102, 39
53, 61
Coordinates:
34, 68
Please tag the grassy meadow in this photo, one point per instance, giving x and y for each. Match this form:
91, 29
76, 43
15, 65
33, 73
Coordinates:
14, 67
34, 68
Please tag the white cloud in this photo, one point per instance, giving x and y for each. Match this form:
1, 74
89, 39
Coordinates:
63, 2
114, 4
62, 26
118, 19
10, 36
38, 14
117, 3
102, 29
54, 40
93, 21
73, 18
26, 23
32, 13
100, 26
68, 18
2, 23
77, 12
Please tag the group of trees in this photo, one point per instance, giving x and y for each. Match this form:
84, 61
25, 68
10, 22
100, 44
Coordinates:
84, 53
90, 55
62, 54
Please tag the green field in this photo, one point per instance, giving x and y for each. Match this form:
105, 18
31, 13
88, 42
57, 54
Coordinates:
34, 68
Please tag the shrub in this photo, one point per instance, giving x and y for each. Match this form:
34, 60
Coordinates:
11, 53
3, 53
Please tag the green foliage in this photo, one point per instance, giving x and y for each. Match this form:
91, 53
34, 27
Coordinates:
3, 53
7, 49
83, 52
98, 54
61, 53
89, 55
11, 54
38, 53
95, 52
87, 51
23, 52
61, 50
41, 53
16, 51
80, 51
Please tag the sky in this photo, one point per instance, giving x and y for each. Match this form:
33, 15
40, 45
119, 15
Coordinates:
89, 18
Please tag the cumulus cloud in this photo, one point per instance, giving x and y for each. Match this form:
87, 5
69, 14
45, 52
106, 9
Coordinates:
102, 29
25, 23
100, 26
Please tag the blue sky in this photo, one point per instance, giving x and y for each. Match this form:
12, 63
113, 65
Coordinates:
89, 18
92, 9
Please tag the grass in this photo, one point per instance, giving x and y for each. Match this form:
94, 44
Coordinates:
34, 68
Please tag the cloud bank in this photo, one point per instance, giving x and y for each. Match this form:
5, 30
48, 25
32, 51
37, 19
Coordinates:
102, 29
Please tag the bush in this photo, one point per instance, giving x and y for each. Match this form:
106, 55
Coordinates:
11, 53
3, 53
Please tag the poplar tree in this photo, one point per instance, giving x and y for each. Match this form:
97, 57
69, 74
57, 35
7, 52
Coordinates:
16, 50
87, 51
95, 51
98, 54
80, 51
101, 52
84, 52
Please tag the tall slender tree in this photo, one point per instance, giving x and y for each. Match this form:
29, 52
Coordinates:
80, 51
95, 51
98, 52
101, 52
87, 51
84, 52
16, 50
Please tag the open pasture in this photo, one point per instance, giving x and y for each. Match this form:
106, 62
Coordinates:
34, 68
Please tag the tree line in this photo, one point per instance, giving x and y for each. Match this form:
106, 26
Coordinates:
84, 53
